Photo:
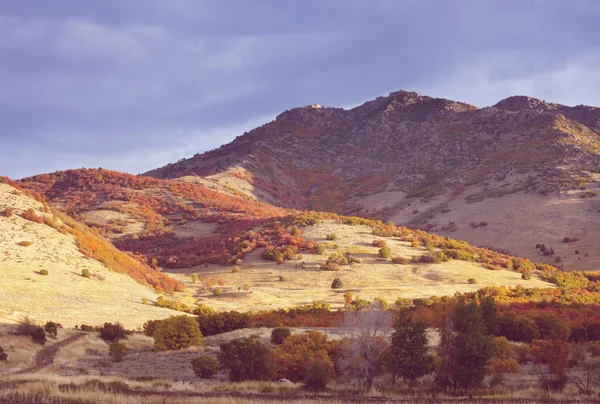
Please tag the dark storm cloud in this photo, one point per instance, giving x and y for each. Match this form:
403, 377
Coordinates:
131, 85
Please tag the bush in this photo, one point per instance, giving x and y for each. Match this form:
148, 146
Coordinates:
317, 377
518, 328
150, 326
330, 266
472, 281
44, 272
177, 332
278, 335
112, 332
526, 276
331, 237
553, 327
400, 260
117, 351
38, 335
24, 243
594, 348
30, 215
213, 323
3, 355
379, 243
217, 292
247, 359
51, 328
8, 212
337, 284
205, 367
385, 252
86, 273
26, 326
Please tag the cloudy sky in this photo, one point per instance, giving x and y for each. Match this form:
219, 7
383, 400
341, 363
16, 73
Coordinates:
131, 85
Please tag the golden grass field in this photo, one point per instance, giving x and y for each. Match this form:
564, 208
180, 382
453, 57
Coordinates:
369, 279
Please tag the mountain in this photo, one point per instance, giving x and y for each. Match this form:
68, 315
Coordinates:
36, 239
521, 173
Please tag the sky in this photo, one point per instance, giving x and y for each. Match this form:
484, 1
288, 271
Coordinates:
133, 85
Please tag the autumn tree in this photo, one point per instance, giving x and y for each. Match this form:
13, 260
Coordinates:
247, 359
408, 356
177, 332
465, 348
552, 360
298, 352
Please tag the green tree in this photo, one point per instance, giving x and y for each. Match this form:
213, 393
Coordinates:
317, 377
205, 367
408, 356
489, 315
278, 335
247, 359
465, 348
177, 332
117, 351
112, 332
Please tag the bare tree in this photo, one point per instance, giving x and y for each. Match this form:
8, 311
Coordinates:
369, 329
587, 376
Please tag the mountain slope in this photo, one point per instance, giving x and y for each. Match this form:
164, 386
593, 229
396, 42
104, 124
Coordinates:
34, 238
432, 163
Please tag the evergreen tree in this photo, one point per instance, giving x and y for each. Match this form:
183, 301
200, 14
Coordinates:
465, 348
408, 357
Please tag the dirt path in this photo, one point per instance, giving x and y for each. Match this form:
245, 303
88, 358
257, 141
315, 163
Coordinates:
45, 357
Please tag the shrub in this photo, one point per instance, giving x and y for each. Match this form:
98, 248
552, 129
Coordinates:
51, 328
86, 273
44, 272
194, 278
552, 327
594, 348
526, 276
177, 332
8, 212
235, 269
205, 367
317, 377
331, 237
212, 324
38, 335
400, 260
30, 215
379, 243
117, 351
112, 332
217, 292
518, 328
415, 244
278, 335
3, 355
150, 326
337, 284
432, 258
24, 243
330, 266
385, 252
26, 326
472, 281
247, 359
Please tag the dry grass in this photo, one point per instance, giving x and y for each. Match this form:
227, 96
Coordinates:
369, 279
64, 295
532, 219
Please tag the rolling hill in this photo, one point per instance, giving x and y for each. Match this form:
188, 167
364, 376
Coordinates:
35, 238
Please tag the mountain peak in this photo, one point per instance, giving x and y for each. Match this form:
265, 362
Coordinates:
522, 103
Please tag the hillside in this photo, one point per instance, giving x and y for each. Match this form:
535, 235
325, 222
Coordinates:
248, 254
33, 239
527, 168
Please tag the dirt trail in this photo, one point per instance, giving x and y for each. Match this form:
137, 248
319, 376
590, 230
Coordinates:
46, 356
